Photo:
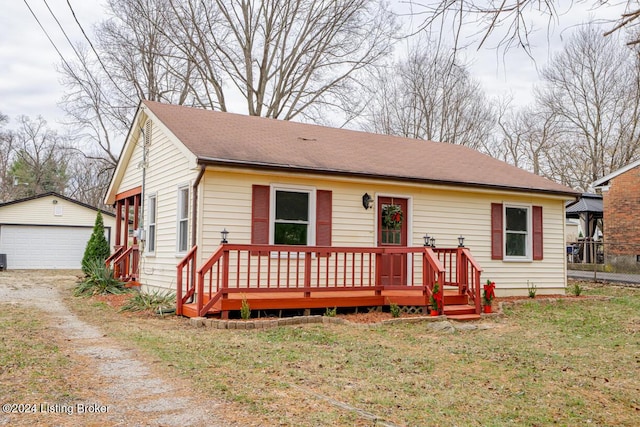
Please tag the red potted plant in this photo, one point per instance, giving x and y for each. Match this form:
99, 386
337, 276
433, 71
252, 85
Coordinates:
488, 295
436, 300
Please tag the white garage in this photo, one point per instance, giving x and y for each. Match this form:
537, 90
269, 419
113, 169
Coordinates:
47, 232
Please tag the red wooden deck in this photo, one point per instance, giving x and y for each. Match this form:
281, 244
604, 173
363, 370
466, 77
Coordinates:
294, 277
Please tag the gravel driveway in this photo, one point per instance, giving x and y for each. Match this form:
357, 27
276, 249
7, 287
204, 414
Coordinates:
132, 390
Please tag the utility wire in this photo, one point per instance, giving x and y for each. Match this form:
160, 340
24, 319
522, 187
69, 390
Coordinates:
89, 73
73, 12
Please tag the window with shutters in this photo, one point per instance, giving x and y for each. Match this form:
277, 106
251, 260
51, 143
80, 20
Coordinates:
293, 216
517, 232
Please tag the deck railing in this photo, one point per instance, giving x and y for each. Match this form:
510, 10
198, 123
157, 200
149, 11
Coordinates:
304, 269
125, 263
186, 279
468, 277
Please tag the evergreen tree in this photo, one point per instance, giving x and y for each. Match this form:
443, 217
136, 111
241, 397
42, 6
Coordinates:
97, 246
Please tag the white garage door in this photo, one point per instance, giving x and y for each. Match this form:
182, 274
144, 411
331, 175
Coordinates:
35, 247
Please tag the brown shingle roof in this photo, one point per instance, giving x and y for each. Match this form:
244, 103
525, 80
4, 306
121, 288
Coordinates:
226, 138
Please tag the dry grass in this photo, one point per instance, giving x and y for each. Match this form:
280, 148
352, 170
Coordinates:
571, 363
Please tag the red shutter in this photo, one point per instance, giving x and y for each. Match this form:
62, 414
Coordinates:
537, 233
323, 217
260, 215
496, 231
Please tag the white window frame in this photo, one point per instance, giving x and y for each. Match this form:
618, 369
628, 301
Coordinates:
180, 198
311, 222
152, 228
529, 234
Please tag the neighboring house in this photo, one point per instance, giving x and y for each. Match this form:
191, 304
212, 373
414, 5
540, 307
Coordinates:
48, 231
621, 206
186, 174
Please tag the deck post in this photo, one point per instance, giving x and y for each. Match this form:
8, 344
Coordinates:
307, 274
378, 274
225, 277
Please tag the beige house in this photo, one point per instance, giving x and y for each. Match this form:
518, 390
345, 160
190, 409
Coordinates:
187, 174
48, 231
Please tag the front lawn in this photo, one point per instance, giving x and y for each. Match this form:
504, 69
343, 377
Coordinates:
569, 363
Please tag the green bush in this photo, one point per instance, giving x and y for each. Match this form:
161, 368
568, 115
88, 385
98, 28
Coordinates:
394, 309
97, 246
99, 281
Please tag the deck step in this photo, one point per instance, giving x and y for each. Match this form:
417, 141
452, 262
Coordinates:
464, 317
459, 309
455, 299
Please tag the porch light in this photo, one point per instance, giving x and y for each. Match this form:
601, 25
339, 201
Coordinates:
224, 233
367, 201
461, 242
427, 240
433, 242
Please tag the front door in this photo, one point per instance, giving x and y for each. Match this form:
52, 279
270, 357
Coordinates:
392, 233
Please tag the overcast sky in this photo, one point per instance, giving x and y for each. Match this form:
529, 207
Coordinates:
30, 84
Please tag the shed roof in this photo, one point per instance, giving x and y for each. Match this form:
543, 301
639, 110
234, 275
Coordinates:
249, 141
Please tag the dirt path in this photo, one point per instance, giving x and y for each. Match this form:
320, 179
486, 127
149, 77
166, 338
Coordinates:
106, 375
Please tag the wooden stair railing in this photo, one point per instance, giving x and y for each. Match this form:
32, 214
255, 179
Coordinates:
125, 263
220, 283
433, 272
468, 272
185, 289
116, 253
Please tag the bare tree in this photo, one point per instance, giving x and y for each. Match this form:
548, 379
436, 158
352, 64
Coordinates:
511, 21
6, 157
39, 163
284, 59
430, 95
593, 89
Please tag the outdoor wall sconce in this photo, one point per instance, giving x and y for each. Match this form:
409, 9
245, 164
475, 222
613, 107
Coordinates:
367, 201
433, 242
461, 242
224, 233
427, 241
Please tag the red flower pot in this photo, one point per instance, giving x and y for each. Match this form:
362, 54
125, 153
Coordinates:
487, 309
434, 312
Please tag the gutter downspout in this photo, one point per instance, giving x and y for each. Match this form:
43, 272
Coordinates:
194, 221
194, 205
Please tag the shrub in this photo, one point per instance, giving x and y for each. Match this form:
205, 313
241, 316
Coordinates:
99, 281
245, 310
331, 312
531, 289
156, 301
577, 289
97, 246
394, 309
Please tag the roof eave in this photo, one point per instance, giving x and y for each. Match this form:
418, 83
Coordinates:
273, 166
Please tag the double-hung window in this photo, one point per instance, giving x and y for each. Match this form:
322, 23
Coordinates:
151, 221
517, 232
292, 217
183, 220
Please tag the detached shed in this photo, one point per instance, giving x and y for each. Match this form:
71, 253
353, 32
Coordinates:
48, 231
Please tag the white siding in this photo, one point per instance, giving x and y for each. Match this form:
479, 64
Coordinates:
43, 211
167, 169
443, 213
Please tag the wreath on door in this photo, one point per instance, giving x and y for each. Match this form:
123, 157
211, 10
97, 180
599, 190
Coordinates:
392, 216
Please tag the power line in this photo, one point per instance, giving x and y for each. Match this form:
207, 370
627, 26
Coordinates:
64, 60
94, 50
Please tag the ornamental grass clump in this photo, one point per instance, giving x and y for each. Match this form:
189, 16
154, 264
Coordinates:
100, 280
160, 302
